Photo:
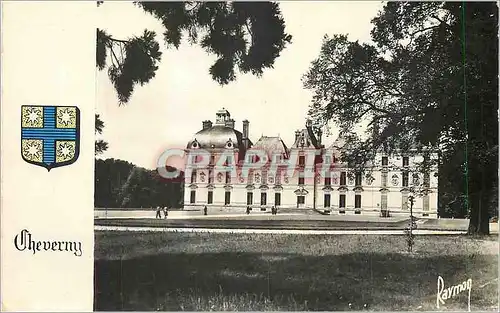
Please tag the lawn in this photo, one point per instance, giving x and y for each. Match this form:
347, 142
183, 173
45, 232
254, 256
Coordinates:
245, 272
262, 222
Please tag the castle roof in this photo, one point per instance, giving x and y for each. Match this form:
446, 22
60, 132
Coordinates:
272, 145
217, 137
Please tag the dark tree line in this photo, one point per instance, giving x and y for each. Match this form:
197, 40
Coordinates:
120, 184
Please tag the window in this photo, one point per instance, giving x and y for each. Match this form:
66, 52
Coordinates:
384, 161
249, 198
343, 178
210, 176
229, 160
301, 199
301, 178
263, 199
192, 199
357, 201
405, 179
405, 161
250, 176
328, 160
383, 202
228, 177
426, 203
227, 198
358, 179
193, 176
342, 201
327, 201
210, 199
212, 159
302, 160
278, 177
384, 179
427, 178
404, 204
328, 181
264, 177
277, 198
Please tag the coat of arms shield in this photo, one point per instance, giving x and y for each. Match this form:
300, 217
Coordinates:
50, 135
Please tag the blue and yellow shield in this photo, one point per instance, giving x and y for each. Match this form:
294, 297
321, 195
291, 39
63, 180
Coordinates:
50, 135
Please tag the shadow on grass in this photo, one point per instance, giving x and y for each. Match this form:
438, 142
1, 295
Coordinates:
179, 281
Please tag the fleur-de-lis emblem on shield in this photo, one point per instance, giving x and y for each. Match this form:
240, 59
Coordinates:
50, 135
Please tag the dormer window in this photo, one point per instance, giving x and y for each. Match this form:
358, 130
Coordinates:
229, 144
302, 141
384, 161
302, 160
195, 144
405, 161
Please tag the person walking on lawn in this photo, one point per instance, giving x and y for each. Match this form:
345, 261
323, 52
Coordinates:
158, 212
165, 211
205, 210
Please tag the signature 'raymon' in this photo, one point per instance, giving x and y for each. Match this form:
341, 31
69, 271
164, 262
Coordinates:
24, 242
452, 291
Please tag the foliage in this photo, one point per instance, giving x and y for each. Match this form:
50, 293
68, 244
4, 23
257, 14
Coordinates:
100, 145
429, 81
121, 184
248, 36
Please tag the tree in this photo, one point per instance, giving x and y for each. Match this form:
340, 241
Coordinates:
110, 176
430, 80
248, 36
100, 145
121, 184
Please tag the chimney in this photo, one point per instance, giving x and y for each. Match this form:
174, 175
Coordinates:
245, 129
207, 124
297, 134
230, 123
320, 133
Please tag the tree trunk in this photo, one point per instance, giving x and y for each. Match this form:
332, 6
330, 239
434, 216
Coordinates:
479, 223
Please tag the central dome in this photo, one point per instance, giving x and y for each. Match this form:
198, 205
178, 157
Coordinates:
217, 137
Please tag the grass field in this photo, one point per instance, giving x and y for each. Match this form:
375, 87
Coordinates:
248, 272
265, 222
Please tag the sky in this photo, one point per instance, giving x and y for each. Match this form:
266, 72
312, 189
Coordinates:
169, 110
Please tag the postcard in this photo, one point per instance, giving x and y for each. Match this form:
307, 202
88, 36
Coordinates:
249, 156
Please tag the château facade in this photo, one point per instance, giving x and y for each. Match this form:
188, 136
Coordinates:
225, 169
